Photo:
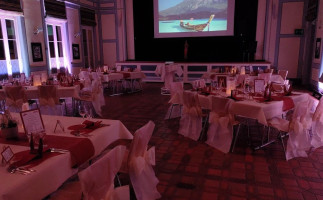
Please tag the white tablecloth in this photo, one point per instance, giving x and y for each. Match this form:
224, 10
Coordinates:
112, 77
32, 92
51, 173
253, 109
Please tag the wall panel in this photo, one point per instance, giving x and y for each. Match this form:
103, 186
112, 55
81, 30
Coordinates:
108, 26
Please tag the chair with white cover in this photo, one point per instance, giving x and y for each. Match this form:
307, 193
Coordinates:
48, 100
139, 164
317, 126
97, 180
191, 119
95, 76
93, 95
298, 130
15, 97
283, 73
85, 78
176, 92
221, 122
265, 76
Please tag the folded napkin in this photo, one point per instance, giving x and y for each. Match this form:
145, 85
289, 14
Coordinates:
92, 125
86, 127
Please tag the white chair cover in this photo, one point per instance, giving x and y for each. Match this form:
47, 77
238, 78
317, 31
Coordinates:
15, 96
191, 120
176, 92
95, 76
97, 181
169, 74
48, 100
299, 138
220, 132
283, 73
317, 126
277, 87
140, 163
176, 100
265, 76
97, 96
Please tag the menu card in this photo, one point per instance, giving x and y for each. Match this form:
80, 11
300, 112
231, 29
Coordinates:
32, 121
259, 85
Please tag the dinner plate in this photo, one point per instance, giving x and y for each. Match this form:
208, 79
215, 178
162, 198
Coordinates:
77, 127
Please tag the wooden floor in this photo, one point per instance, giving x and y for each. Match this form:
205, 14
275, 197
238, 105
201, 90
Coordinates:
193, 170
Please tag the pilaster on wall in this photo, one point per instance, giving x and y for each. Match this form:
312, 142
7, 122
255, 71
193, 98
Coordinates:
34, 20
270, 30
260, 34
74, 32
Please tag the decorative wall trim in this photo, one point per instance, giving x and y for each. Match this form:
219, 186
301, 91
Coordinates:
38, 68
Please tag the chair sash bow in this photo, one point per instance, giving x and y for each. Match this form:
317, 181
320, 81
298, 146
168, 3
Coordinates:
139, 163
193, 111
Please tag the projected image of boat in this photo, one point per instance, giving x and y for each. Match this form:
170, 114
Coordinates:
196, 27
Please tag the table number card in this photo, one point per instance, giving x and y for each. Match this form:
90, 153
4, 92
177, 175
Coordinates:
32, 121
259, 85
7, 154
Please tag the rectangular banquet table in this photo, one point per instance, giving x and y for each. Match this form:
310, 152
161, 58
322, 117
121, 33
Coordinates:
260, 111
32, 92
55, 170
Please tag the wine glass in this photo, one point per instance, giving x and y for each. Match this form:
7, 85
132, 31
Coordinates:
89, 113
82, 111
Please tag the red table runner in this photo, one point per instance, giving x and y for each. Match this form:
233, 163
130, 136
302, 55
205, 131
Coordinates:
81, 149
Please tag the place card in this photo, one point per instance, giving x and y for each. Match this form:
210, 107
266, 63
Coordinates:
7, 154
259, 85
59, 123
32, 121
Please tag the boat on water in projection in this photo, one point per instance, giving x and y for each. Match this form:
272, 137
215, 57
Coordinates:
196, 27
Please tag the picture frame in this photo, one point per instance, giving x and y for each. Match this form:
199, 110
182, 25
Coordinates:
76, 51
32, 121
37, 53
317, 51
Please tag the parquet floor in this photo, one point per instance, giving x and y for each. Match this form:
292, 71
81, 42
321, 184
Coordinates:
193, 170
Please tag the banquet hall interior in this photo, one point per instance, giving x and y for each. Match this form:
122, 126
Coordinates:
161, 99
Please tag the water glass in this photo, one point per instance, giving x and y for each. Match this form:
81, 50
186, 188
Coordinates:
82, 111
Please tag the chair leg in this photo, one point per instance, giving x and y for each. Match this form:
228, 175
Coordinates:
203, 132
282, 140
171, 110
235, 138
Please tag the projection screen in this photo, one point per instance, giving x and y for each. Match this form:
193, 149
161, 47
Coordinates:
193, 18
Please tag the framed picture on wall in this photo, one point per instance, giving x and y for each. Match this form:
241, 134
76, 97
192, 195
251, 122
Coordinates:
36, 51
317, 52
76, 51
